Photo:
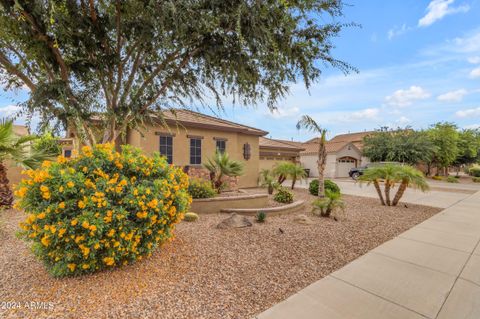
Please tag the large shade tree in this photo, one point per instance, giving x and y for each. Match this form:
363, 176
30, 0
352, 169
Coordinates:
399, 145
121, 60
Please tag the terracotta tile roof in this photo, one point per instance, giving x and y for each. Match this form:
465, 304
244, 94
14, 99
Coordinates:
351, 137
280, 144
194, 119
336, 143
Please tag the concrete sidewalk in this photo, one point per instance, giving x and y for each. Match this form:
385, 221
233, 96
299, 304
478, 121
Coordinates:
434, 198
430, 271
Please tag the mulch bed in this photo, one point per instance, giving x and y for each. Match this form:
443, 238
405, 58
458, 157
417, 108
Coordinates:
205, 272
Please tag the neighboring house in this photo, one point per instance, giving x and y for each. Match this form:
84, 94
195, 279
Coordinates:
191, 138
343, 153
273, 151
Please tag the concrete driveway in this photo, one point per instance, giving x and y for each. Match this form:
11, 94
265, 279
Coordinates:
442, 195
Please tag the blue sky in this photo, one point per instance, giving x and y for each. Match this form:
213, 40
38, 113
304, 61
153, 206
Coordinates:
419, 63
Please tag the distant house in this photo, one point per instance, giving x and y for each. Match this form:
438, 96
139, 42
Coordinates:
343, 153
273, 151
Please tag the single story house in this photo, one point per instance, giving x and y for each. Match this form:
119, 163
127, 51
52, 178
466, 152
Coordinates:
273, 151
190, 138
343, 153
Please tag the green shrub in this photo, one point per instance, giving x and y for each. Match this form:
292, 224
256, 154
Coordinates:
329, 185
101, 209
201, 189
476, 179
452, 179
327, 205
437, 178
474, 171
190, 217
283, 195
47, 143
261, 216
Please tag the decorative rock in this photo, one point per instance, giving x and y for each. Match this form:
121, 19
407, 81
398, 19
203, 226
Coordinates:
303, 219
234, 221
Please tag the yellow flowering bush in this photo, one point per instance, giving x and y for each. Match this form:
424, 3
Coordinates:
101, 209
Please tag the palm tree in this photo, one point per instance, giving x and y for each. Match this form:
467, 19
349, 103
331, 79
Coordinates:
308, 123
18, 150
297, 173
329, 204
390, 175
409, 177
282, 171
374, 176
268, 180
221, 165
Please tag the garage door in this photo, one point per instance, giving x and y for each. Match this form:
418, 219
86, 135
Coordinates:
344, 166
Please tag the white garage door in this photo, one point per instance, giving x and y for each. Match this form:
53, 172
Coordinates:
344, 165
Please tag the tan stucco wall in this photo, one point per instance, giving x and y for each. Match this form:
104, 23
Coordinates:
215, 205
150, 142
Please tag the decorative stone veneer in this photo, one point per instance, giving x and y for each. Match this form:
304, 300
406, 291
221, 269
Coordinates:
202, 173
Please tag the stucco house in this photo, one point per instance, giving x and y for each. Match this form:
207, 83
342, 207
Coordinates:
190, 138
273, 151
343, 153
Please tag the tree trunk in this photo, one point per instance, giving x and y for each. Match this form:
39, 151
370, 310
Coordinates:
387, 192
270, 189
322, 156
6, 195
294, 180
379, 191
399, 193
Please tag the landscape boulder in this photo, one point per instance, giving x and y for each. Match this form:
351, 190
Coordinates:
235, 221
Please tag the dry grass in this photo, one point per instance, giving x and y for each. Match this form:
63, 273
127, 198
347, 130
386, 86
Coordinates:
206, 272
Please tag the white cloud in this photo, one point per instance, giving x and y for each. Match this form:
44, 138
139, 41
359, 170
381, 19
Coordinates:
453, 96
402, 121
474, 59
475, 73
365, 114
437, 9
9, 110
472, 127
468, 112
283, 112
396, 31
406, 97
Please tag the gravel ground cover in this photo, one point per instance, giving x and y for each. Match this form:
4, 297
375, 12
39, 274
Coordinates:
205, 272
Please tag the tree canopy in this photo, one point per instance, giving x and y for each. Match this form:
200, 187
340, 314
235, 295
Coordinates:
119, 61
442, 145
400, 145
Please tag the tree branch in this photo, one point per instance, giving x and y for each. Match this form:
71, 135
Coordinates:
5, 62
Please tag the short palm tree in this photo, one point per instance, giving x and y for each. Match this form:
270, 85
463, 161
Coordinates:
308, 123
219, 166
329, 204
390, 175
18, 150
409, 177
267, 179
297, 173
282, 171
